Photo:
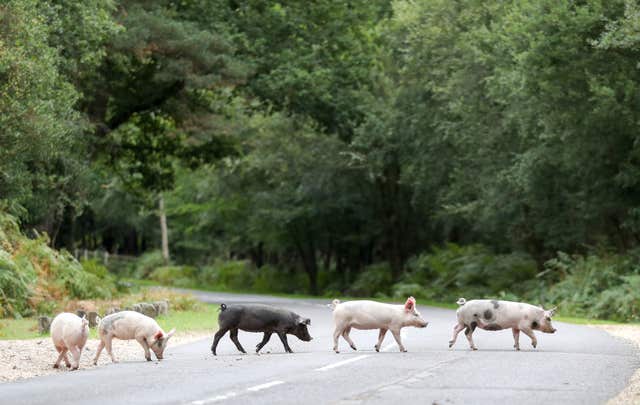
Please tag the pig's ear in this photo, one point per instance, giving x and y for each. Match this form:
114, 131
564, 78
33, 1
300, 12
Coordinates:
410, 304
552, 311
171, 332
307, 321
158, 336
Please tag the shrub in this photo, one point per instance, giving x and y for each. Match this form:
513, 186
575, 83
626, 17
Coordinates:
147, 263
228, 275
271, 279
374, 280
35, 277
602, 286
177, 276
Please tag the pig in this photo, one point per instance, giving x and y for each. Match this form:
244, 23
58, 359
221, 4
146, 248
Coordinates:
497, 315
260, 318
127, 325
374, 315
69, 333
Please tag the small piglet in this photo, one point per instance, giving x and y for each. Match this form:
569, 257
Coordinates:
497, 315
69, 333
127, 325
260, 318
374, 315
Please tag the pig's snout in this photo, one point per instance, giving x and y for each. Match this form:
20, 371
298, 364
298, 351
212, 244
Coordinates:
553, 330
425, 324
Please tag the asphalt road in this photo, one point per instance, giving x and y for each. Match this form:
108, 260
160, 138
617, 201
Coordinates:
577, 365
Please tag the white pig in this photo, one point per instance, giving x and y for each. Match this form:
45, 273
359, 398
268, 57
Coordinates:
127, 325
69, 333
497, 315
374, 315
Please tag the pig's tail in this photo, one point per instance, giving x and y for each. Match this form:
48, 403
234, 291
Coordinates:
223, 307
461, 301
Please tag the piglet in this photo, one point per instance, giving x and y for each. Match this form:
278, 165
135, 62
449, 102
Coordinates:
260, 318
497, 315
127, 325
69, 333
374, 315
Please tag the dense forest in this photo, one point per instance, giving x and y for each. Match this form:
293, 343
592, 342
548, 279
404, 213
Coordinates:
362, 147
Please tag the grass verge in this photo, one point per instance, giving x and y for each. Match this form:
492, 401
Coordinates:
205, 319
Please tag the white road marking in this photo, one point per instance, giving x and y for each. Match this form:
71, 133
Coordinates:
343, 362
358, 358
265, 386
215, 399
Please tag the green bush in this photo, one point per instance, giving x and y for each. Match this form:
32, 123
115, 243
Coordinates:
147, 263
269, 279
470, 271
235, 275
374, 280
34, 277
14, 287
177, 276
603, 286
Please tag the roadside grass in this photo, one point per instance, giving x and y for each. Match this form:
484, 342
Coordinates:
204, 319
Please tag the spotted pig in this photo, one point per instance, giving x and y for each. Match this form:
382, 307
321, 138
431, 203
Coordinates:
497, 315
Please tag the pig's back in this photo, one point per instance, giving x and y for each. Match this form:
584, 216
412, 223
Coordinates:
63, 323
365, 314
255, 317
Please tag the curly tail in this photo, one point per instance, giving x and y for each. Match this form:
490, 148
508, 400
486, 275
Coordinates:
222, 307
461, 301
334, 304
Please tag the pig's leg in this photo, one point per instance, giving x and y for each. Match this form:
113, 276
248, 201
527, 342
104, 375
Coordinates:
529, 332
345, 335
336, 336
516, 338
456, 330
216, 338
283, 339
380, 339
234, 339
100, 347
469, 334
396, 335
145, 346
107, 344
265, 339
76, 357
62, 355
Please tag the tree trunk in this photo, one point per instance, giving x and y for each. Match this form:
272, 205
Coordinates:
163, 230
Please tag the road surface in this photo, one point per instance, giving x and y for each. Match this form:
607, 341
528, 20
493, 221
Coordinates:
577, 365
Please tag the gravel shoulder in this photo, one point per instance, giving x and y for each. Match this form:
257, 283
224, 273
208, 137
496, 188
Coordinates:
20, 359
631, 333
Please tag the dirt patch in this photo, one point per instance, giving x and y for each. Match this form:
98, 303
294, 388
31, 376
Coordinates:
21, 359
631, 394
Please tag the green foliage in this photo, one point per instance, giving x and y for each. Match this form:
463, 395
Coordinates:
373, 281
468, 271
177, 276
34, 276
147, 263
235, 275
594, 286
270, 279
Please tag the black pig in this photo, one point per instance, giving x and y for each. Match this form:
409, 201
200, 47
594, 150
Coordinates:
260, 318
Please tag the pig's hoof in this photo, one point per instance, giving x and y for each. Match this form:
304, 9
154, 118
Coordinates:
474, 348
450, 344
336, 350
353, 347
148, 358
74, 368
56, 366
377, 348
